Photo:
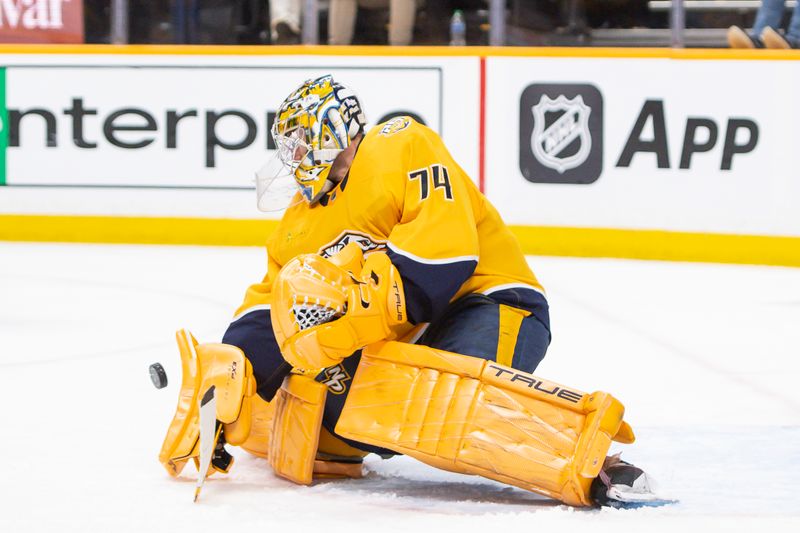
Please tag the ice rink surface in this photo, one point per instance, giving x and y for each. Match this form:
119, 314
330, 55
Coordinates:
706, 359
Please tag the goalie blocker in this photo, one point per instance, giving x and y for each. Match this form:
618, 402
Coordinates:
246, 420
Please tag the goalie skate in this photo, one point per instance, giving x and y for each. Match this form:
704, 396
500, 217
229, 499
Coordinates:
624, 486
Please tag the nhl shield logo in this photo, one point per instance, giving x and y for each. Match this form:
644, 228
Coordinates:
557, 125
561, 133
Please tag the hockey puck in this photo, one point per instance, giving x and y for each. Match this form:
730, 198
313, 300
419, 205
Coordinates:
158, 375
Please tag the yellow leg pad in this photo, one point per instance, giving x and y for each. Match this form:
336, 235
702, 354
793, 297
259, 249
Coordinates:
238, 431
330, 451
338, 470
299, 405
473, 416
204, 365
261, 417
332, 446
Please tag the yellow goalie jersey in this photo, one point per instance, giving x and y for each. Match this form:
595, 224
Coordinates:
407, 197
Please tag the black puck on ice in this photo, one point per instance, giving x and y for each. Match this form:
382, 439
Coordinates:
158, 375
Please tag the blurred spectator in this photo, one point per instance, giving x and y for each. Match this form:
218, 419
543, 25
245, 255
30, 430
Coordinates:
766, 29
285, 21
251, 22
342, 19
611, 13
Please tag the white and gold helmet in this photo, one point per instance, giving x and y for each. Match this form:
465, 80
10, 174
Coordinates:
312, 126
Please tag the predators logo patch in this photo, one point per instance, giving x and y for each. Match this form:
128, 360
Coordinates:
346, 237
396, 125
335, 378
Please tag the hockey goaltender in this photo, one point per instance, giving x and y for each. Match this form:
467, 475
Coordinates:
398, 315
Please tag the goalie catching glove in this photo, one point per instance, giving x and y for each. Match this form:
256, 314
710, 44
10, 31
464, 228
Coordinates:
324, 310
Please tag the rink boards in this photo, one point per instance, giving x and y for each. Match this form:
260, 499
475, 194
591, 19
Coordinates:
663, 154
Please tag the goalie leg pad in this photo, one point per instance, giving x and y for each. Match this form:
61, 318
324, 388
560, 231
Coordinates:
334, 458
261, 417
300, 449
203, 365
299, 405
474, 416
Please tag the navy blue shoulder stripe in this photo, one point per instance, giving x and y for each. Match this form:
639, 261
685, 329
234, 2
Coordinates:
429, 287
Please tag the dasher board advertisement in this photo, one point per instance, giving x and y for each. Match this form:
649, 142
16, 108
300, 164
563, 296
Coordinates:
41, 21
689, 145
194, 123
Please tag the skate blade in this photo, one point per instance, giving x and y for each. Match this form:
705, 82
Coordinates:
620, 499
655, 502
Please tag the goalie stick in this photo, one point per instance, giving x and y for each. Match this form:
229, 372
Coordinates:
208, 429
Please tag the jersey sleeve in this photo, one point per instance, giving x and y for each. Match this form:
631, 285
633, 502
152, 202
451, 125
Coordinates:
435, 244
251, 330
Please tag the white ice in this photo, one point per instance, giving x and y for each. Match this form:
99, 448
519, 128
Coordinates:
705, 357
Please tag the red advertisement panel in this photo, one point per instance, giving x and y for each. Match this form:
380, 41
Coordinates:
41, 21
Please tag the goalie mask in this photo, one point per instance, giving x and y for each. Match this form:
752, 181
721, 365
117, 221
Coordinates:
312, 126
